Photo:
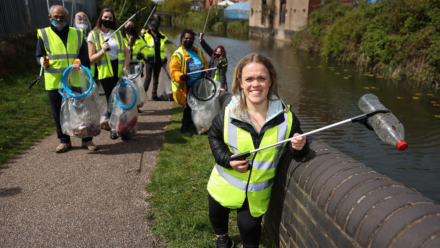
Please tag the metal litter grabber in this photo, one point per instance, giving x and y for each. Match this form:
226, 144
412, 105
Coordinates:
123, 25
209, 11
373, 120
37, 81
167, 94
152, 11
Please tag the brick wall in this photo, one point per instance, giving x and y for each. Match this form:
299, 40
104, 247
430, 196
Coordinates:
328, 199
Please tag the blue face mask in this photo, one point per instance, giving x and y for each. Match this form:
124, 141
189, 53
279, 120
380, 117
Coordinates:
59, 24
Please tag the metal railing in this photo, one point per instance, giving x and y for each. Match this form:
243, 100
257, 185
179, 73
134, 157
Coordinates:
23, 16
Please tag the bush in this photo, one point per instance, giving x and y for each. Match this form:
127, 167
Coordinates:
240, 27
396, 37
194, 19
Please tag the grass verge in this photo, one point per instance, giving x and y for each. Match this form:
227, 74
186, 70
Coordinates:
26, 114
178, 195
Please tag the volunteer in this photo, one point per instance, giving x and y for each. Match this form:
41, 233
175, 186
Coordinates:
156, 57
55, 44
107, 66
187, 58
218, 60
256, 116
135, 44
81, 21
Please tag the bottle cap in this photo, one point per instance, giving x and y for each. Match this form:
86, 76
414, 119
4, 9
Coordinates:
402, 145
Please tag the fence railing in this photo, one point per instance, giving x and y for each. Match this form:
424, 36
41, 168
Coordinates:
22, 16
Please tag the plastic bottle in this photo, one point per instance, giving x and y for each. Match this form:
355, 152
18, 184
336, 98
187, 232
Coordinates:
387, 126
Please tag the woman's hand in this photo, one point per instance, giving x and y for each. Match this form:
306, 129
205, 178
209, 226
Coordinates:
200, 37
124, 72
298, 143
105, 46
239, 165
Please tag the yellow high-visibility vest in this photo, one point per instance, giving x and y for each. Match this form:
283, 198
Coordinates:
149, 39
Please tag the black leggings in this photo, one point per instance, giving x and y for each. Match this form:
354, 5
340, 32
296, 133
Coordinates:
250, 227
108, 84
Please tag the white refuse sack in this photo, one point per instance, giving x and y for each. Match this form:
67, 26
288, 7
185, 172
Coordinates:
134, 72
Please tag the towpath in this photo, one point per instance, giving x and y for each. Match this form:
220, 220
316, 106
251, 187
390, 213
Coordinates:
82, 198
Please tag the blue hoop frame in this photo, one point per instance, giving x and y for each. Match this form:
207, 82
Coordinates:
68, 90
123, 83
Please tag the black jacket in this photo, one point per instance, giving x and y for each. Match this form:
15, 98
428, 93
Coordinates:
221, 151
222, 70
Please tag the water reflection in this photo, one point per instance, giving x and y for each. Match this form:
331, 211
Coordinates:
323, 93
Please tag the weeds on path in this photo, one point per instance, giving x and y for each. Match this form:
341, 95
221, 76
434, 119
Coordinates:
178, 195
25, 114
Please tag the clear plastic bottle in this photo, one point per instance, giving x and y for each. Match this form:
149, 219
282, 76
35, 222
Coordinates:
387, 126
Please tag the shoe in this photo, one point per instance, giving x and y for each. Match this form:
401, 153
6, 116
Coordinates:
224, 242
186, 131
63, 147
105, 125
89, 145
155, 98
139, 111
113, 135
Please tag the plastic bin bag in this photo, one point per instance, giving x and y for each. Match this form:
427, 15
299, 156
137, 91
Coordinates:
203, 112
165, 81
134, 74
81, 107
122, 105
104, 113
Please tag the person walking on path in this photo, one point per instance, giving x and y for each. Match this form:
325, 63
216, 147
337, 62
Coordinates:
57, 48
256, 115
156, 57
107, 66
218, 60
187, 58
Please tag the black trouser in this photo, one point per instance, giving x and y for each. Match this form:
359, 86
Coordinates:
56, 100
108, 84
250, 227
187, 120
155, 70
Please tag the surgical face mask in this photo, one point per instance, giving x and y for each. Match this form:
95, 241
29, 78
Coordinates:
188, 43
217, 55
107, 23
154, 30
82, 26
130, 29
59, 24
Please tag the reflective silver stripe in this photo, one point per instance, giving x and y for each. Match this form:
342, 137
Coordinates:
143, 47
97, 40
232, 135
45, 40
239, 184
63, 56
282, 133
102, 62
150, 46
121, 45
121, 51
135, 54
162, 51
262, 165
121, 62
78, 33
52, 70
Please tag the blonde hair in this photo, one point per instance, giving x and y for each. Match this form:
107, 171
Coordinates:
240, 109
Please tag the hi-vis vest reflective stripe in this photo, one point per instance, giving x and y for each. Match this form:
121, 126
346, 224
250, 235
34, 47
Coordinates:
60, 56
179, 53
149, 39
139, 47
228, 186
217, 72
105, 69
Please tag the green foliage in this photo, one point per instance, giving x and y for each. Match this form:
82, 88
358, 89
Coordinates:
240, 27
178, 196
396, 37
130, 8
194, 19
268, 11
176, 7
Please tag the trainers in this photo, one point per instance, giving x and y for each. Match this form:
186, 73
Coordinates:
63, 147
89, 145
224, 242
113, 135
155, 98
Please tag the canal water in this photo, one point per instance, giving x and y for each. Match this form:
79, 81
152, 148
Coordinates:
324, 92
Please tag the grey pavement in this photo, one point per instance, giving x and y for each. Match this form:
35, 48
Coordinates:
82, 198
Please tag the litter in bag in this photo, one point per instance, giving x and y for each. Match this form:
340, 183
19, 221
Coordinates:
204, 111
124, 114
81, 107
165, 81
134, 74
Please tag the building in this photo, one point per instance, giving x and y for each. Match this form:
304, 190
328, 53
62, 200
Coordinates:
290, 16
215, 2
197, 4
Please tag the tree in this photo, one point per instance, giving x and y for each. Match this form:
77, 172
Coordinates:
176, 7
131, 7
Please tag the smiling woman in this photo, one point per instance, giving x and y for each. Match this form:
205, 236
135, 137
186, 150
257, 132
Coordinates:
256, 116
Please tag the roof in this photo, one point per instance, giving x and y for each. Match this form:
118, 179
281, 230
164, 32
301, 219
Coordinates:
238, 11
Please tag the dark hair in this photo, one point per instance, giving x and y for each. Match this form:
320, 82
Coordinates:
222, 52
135, 37
187, 31
99, 22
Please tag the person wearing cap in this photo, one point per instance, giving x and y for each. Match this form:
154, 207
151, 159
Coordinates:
58, 47
156, 56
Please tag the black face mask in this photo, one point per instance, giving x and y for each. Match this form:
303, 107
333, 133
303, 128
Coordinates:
107, 23
217, 55
131, 29
188, 43
154, 30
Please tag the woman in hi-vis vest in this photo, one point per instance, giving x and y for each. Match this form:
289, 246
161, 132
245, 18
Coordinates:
107, 66
218, 60
255, 117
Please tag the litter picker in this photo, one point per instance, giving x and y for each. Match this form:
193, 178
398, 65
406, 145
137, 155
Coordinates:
361, 119
37, 81
167, 73
137, 13
209, 11
123, 6
152, 11
210, 69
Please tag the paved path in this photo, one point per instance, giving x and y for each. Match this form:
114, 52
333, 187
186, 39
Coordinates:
82, 198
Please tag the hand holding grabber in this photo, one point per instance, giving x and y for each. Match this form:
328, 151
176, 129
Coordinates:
44, 63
